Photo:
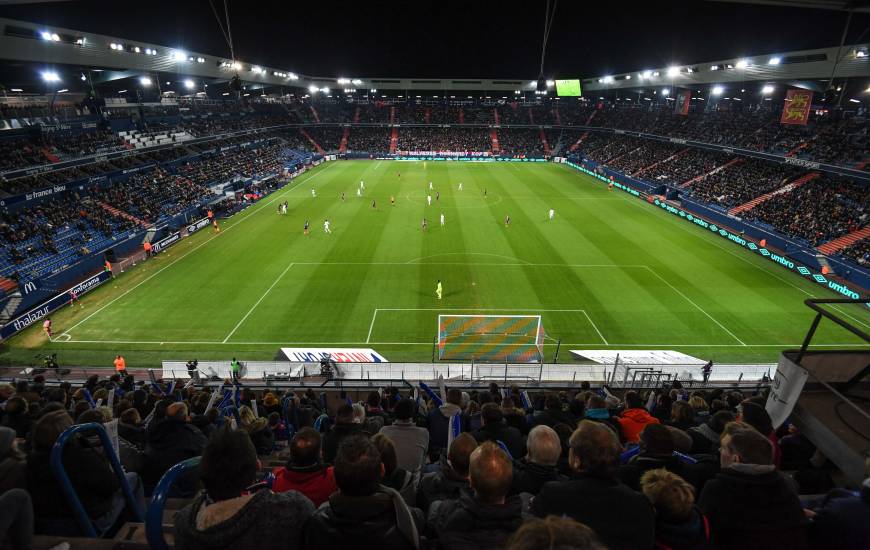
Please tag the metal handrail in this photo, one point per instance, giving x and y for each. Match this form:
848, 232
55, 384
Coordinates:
154, 516
66, 486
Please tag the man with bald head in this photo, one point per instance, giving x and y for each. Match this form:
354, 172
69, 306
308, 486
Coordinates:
621, 517
172, 440
539, 465
487, 518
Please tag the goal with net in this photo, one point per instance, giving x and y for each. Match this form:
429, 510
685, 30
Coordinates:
491, 338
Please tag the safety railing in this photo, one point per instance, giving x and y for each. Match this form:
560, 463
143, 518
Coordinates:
66, 486
154, 517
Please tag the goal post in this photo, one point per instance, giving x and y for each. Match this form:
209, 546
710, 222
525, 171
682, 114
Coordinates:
491, 338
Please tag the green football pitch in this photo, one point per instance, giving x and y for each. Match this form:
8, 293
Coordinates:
610, 271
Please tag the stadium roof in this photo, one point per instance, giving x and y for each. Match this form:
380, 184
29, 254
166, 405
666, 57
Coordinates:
40, 48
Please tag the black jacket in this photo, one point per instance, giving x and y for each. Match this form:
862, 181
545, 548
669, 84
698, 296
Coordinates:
551, 417
169, 443
468, 524
530, 477
133, 434
621, 517
90, 474
267, 521
696, 474
692, 534
440, 485
511, 437
374, 522
332, 439
754, 507
843, 521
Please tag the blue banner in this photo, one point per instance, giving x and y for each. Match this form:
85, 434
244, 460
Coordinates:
20, 323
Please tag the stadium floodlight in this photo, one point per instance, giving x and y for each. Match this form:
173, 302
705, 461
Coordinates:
517, 92
343, 80
673, 71
189, 84
774, 61
80, 41
647, 74
767, 89
84, 78
628, 77
136, 49
256, 69
666, 92
179, 56
860, 53
293, 76
550, 83
853, 100
714, 67
356, 81
63, 91
312, 89
325, 90
742, 64
17, 90
50, 76
717, 90
122, 91
608, 79
145, 81
373, 91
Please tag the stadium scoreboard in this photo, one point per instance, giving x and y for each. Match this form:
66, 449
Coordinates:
568, 88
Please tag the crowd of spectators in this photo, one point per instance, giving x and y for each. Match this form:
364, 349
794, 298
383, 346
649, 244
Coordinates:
823, 209
742, 181
578, 469
648, 154
444, 139
684, 167
328, 138
370, 140
520, 142
859, 252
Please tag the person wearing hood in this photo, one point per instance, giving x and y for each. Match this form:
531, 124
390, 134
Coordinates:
346, 425
494, 428
172, 440
488, 517
439, 420
634, 418
842, 520
225, 515
395, 477
452, 478
13, 468
750, 504
679, 524
304, 471
539, 465
258, 430
363, 513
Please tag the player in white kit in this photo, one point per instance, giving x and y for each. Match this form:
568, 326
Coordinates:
429, 200
442, 220
326, 226
552, 213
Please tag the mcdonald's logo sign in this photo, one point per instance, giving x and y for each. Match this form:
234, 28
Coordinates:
29, 287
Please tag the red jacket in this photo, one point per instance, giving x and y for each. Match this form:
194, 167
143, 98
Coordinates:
315, 482
633, 421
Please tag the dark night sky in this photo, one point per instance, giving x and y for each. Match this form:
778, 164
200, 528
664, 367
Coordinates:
453, 39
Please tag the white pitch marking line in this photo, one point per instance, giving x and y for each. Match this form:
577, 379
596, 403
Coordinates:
675, 289
189, 252
591, 322
257, 303
372, 325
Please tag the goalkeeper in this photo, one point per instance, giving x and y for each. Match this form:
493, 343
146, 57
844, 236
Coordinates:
438, 289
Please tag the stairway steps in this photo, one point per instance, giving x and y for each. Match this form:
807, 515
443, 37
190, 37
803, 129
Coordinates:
847, 240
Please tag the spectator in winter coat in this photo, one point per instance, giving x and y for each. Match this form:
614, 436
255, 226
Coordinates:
345, 426
224, 515
495, 429
594, 496
411, 441
679, 524
750, 504
634, 418
539, 465
439, 420
169, 442
487, 518
363, 513
452, 478
305, 471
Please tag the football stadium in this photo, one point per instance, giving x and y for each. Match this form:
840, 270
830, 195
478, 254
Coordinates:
571, 277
